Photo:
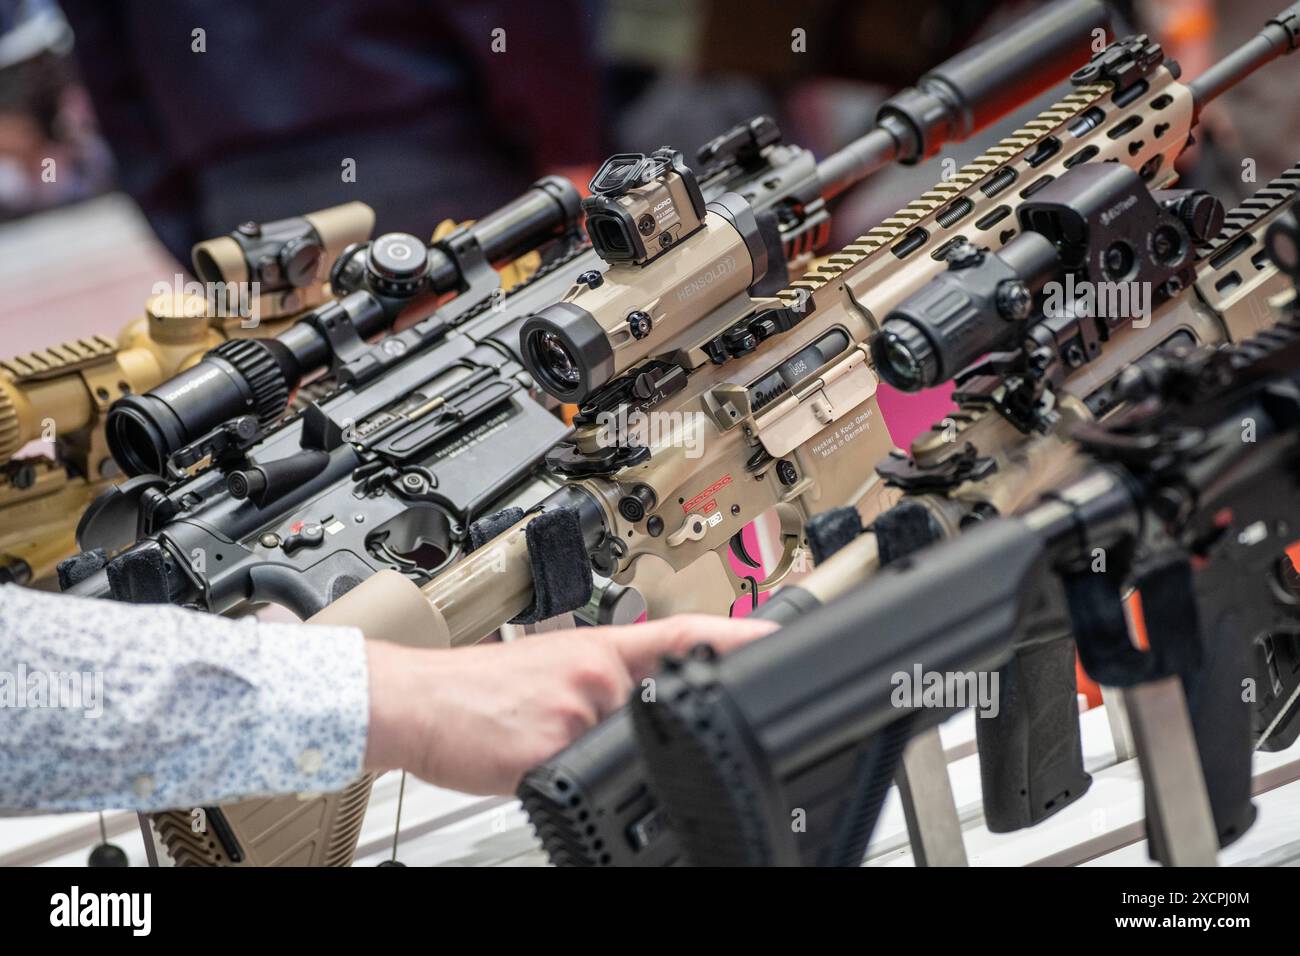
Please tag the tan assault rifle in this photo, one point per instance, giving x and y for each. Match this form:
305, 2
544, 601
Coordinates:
792, 423
680, 260
780, 390
988, 464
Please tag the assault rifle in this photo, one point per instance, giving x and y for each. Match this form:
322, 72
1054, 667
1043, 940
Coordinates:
983, 460
1008, 441
1190, 511
1008, 425
232, 502
420, 412
433, 425
62, 393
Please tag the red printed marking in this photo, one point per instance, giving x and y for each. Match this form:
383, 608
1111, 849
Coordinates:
705, 499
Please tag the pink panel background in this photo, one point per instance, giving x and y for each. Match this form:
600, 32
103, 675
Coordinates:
906, 416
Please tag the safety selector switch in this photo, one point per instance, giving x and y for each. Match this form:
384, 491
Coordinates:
692, 529
310, 535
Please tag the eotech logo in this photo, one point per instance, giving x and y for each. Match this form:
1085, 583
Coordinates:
102, 909
1117, 210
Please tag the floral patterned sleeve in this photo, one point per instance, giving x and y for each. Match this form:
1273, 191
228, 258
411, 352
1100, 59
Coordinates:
150, 707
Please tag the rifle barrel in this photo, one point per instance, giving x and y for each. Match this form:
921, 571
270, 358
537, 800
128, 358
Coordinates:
969, 91
856, 161
1280, 36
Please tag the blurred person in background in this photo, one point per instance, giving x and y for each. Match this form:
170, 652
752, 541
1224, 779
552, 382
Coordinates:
223, 112
219, 113
50, 153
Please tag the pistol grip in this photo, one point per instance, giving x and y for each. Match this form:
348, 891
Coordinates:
1031, 757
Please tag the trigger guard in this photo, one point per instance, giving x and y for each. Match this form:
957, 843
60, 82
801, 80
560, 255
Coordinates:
790, 545
791, 530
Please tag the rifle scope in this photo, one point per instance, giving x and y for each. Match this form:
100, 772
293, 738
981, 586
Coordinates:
256, 376
674, 260
283, 261
933, 335
644, 211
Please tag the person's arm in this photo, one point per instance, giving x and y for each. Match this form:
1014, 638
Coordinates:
155, 707
150, 707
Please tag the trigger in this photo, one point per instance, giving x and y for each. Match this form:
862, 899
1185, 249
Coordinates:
741, 553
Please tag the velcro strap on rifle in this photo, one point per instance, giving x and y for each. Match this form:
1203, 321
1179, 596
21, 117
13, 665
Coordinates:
1173, 625
831, 530
72, 571
561, 567
904, 529
489, 526
139, 577
1101, 630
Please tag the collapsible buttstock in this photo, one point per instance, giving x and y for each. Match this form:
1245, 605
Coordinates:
320, 830
591, 804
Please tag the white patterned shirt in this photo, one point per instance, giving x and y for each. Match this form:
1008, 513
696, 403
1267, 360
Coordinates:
151, 707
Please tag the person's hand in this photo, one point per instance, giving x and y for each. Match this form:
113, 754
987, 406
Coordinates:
477, 718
